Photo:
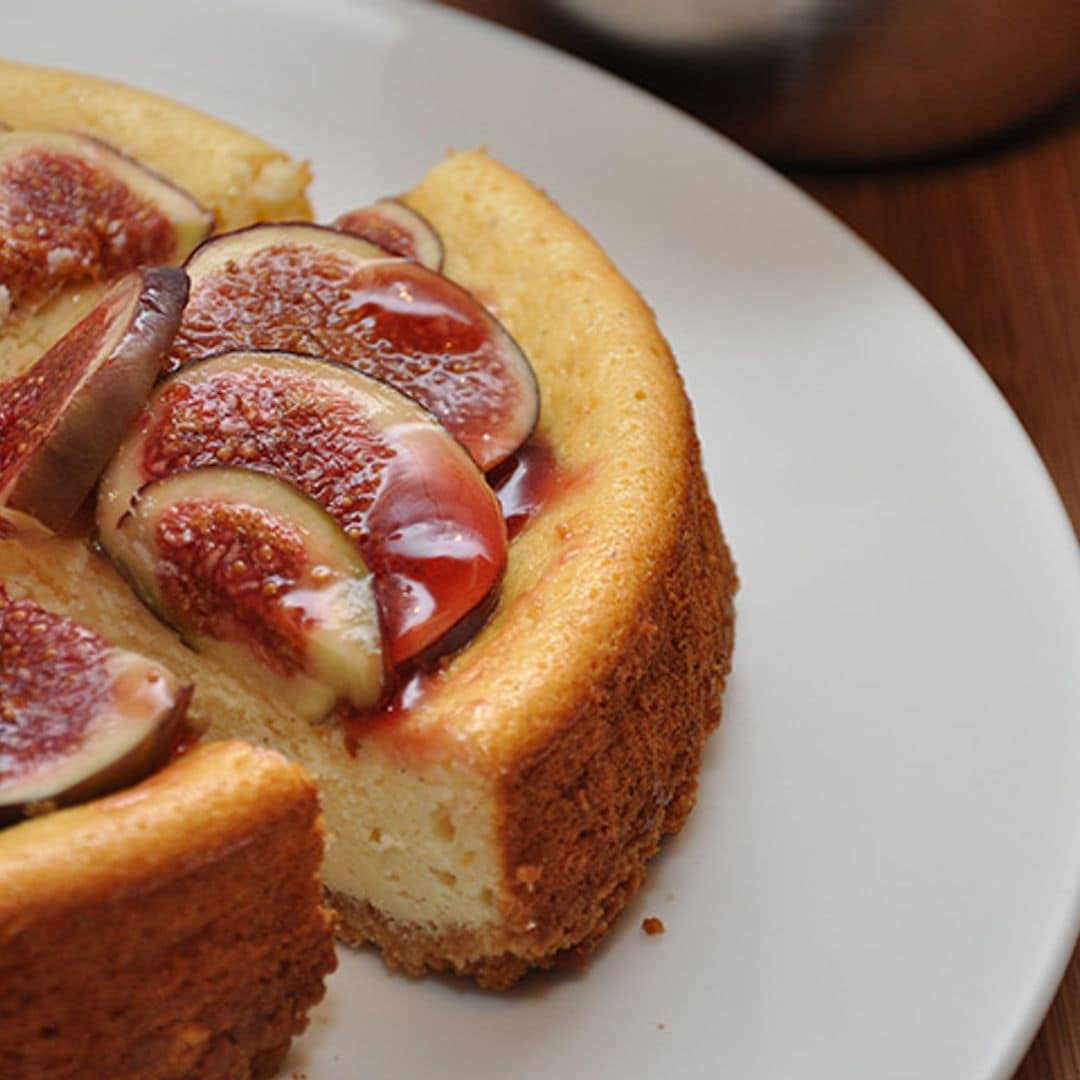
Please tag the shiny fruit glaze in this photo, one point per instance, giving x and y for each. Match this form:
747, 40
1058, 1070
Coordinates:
63, 221
256, 418
390, 319
525, 483
416, 507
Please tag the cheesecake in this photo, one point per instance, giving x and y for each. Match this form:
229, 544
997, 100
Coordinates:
497, 811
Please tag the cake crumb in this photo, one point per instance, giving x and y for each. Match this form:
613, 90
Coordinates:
652, 925
528, 876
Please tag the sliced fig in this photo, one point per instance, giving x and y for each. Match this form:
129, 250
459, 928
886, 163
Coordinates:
15, 525
74, 209
61, 420
397, 229
78, 717
321, 292
404, 491
253, 572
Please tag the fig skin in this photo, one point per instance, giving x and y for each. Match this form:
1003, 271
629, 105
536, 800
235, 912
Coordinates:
120, 712
320, 611
75, 195
404, 490
140, 761
61, 447
321, 292
397, 229
15, 525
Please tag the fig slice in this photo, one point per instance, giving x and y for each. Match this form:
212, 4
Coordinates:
253, 572
15, 525
322, 292
61, 420
74, 209
397, 229
407, 494
78, 717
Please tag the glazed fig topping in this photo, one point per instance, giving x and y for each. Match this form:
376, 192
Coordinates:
61, 420
526, 483
252, 571
321, 292
404, 491
78, 716
397, 229
73, 209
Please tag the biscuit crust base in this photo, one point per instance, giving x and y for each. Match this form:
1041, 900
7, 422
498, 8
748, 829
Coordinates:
582, 816
171, 931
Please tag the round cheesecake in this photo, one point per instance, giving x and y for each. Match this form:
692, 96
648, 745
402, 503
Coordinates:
500, 817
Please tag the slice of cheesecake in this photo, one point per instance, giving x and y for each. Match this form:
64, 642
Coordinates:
171, 930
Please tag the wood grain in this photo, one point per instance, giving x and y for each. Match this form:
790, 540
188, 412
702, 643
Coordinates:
991, 238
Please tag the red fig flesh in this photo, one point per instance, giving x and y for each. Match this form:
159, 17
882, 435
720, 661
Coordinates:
397, 229
78, 716
74, 209
61, 420
253, 572
404, 491
321, 292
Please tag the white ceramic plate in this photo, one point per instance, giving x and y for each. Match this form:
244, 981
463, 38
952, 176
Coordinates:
881, 878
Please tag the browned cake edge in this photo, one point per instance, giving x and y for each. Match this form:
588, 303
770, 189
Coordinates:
582, 815
174, 930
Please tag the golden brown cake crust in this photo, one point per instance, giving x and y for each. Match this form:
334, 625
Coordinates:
614, 635
582, 816
170, 931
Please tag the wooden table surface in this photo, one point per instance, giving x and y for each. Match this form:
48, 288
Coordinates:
991, 238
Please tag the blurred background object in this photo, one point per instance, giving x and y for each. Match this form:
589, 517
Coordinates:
841, 80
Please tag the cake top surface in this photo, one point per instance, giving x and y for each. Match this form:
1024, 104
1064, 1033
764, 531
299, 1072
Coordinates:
130, 839
615, 413
613, 410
